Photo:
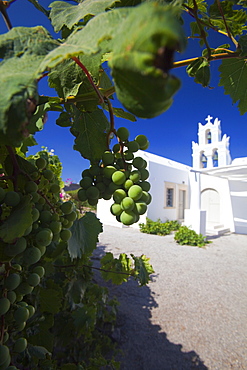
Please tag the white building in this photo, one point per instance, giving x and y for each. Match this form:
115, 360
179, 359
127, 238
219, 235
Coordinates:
210, 197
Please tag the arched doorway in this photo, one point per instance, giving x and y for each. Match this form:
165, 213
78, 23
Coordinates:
210, 202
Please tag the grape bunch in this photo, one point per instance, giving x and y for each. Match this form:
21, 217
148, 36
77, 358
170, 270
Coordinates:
122, 176
38, 224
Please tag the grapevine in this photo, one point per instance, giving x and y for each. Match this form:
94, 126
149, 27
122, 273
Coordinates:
52, 314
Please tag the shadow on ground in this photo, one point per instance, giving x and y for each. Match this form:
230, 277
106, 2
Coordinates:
144, 346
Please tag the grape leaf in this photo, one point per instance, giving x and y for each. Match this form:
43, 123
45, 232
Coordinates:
50, 300
242, 43
22, 49
89, 130
84, 319
118, 268
39, 352
143, 50
64, 120
64, 14
236, 18
67, 77
199, 69
85, 233
201, 5
143, 269
44, 337
19, 220
76, 289
233, 74
88, 40
119, 112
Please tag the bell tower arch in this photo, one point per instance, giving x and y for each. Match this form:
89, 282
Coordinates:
212, 150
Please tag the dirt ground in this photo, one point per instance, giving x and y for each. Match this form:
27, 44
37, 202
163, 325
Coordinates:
193, 314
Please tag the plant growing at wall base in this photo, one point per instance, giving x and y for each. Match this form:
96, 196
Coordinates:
186, 236
158, 227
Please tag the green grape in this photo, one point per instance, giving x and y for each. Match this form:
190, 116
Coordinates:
123, 133
12, 281
12, 198
127, 204
145, 185
35, 226
138, 162
86, 173
146, 197
65, 222
55, 217
11, 368
11, 295
81, 194
118, 195
48, 174
4, 357
4, 305
135, 192
66, 207
60, 247
93, 202
55, 227
40, 163
116, 148
21, 315
24, 288
112, 187
2, 194
133, 146
144, 174
94, 170
70, 223
20, 345
22, 304
44, 237
42, 200
127, 218
86, 182
17, 248
31, 187
118, 177
19, 327
39, 270
65, 235
31, 255
106, 195
108, 158
31, 310
141, 207
116, 209
42, 249
17, 267
108, 171
142, 141
128, 156
35, 214
34, 175
128, 183
92, 192
28, 231
101, 186
19, 297
135, 176
54, 188
5, 337
33, 279
145, 146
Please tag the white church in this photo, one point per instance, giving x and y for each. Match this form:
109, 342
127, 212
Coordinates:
210, 197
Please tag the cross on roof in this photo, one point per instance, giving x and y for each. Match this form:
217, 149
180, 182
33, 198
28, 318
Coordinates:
208, 119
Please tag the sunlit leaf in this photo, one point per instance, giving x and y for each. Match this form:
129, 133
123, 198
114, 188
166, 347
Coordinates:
233, 76
115, 269
85, 233
199, 69
64, 14
143, 269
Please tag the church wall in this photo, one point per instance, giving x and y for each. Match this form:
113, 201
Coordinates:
238, 192
221, 185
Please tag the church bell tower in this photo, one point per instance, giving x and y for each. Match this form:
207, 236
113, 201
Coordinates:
211, 150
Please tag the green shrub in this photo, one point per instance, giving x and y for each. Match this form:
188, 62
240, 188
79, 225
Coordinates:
158, 227
186, 236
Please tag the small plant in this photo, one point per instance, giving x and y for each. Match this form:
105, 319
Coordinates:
186, 236
158, 227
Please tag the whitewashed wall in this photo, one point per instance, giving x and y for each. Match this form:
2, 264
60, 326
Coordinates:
238, 192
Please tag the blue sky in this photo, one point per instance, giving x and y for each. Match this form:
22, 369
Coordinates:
170, 134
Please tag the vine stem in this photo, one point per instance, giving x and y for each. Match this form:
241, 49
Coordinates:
3, 6
95, 268
213, 57
78, 62
225, 23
